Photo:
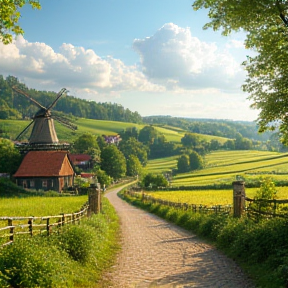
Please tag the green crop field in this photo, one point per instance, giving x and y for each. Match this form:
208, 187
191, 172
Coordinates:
223, 167
210, 197
96, 127
40, 206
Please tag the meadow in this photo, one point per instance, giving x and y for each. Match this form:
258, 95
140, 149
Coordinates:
97, 127
223, 167
40, 206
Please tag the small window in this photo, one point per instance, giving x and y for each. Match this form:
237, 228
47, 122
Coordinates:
24, 184
32, 183
44, 183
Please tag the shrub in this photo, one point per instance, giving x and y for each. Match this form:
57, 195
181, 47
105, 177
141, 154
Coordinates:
24, 264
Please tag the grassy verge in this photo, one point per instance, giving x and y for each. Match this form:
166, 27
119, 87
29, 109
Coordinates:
77, 257
260, 248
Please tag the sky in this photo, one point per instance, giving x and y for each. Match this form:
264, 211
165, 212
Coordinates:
149, 56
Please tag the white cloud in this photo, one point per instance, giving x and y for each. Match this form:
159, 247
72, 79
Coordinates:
173, 54
170, 61
39, 65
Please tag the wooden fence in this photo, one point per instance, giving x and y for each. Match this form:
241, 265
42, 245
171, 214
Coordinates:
223, 209
253, 208
262, 208
37, 225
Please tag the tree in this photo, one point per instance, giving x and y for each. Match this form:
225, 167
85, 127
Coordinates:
134, 147
183, 164
190, 140
147, 135
196, 161
154, 180
84, 143
134, 166
9, 17
103, 178
101, 142
229, 144
113, 162
215, 145
266, 82
10, 157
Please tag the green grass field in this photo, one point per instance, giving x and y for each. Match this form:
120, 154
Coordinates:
40, 206
223, 167
96, 127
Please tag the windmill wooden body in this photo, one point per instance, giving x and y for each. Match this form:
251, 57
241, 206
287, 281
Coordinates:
43, 135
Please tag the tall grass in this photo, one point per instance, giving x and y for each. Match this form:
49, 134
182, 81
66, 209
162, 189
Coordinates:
76, 257
40, 206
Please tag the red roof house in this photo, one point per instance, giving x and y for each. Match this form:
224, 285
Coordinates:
81, 160
45, 170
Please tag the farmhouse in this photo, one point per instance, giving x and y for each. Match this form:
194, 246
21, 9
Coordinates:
112, 139
81, 160
45, 170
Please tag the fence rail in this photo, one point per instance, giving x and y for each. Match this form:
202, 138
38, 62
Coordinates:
45, 225
217, 209
255, 209
264, 208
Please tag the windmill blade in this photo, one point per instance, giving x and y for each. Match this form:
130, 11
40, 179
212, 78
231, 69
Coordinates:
31, 99
62, 91
65, 123
24, 130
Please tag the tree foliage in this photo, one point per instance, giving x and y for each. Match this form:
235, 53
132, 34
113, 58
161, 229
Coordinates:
134, 166
147, 135
69, 105
85, 143
183, 164
154, 180
195, 161
10, 157
134, 147
113, 162
190, 140
266, 25
9, 17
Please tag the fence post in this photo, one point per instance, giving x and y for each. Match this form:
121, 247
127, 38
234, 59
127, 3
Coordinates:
94, 198
238, 198
30, 223
10, 223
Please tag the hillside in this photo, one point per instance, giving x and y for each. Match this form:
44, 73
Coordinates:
222, 167
11, 128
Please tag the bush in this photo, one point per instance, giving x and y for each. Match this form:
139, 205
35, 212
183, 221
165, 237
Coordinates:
77, 241
24, 264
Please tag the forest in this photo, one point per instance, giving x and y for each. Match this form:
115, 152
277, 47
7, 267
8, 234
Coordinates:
15, 106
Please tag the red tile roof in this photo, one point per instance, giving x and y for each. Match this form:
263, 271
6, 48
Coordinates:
87, 175
45, 164
79, 157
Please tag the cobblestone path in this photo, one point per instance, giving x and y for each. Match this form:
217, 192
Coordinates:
159, 254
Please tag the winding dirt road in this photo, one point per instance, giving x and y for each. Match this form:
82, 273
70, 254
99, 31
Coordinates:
156, 253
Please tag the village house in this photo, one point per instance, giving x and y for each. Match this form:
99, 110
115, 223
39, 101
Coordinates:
82, 161
45, 170
112, 139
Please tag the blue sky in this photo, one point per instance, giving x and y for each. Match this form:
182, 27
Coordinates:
150, 56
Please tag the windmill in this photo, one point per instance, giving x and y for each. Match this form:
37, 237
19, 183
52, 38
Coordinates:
43, 132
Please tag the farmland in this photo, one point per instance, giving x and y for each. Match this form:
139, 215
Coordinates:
223, 167
210, 197
97, 127
40, 206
